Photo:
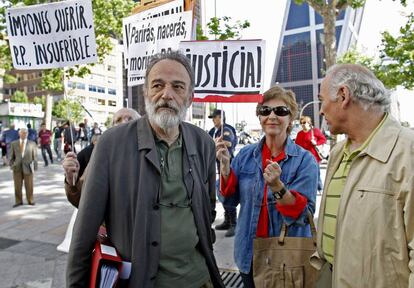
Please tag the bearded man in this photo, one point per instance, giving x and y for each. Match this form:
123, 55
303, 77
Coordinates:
152, 181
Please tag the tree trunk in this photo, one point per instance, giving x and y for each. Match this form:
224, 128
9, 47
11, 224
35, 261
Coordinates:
329, 30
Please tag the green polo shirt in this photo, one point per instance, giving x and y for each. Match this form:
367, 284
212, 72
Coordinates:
181, 264
333, 195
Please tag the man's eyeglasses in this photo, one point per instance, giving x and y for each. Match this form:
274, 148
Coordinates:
302, 123
279, 110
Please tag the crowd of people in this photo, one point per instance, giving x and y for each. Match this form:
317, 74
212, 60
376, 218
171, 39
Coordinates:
22, 158
152, 182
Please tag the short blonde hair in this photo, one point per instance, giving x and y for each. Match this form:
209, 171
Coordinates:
307, 119
287, 96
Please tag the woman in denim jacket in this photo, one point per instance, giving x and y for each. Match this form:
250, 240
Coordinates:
276, 167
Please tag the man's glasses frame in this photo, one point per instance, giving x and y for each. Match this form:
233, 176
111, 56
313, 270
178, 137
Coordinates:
280, 111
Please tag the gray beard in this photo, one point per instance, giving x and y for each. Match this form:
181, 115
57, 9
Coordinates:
166, 121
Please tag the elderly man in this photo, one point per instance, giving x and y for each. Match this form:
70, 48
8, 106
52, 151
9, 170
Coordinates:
366, 219
75, 166
152, 180
23, 160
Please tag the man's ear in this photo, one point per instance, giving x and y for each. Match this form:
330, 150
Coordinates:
344, 96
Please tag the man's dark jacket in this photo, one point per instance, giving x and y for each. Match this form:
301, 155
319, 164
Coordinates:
121, 189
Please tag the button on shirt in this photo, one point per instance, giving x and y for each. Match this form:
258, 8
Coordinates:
181, 263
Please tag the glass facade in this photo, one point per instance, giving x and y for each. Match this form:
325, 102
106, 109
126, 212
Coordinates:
321, 49
300, 64
298, 16
295, 60
304, 94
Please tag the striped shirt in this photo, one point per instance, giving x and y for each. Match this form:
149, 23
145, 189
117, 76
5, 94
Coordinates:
333, 195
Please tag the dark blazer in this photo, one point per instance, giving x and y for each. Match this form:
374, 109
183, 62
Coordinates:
29, 160
121, 189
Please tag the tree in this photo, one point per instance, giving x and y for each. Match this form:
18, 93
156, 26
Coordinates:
395, 66
108, 16
40, 100
19, 97
329, 10
68, 109
397, 55
222, 29
108, 121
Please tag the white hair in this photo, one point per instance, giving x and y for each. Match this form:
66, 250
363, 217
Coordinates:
165, 120
363, 85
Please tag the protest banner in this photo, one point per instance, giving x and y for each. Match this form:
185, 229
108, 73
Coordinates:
227, 71
51, 35
169, 8
148, 37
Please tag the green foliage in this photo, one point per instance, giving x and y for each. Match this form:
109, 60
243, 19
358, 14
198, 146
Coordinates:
19, 97
353, 56
40, 100
68, 109
397, 55
222, 29
200, 33
108, 121
107, 15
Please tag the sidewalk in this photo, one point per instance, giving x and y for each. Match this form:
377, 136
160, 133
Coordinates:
29, 235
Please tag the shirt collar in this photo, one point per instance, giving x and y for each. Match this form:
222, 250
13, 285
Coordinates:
357, 151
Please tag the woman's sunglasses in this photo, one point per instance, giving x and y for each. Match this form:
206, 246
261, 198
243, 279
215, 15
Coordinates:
279, 110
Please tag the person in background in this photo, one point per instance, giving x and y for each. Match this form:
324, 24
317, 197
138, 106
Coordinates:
69, 132
74, 166
9, 136
32, 134
366, 218
83, 135
95, 129
308, 138
57, 141
274, 181
230, 138
153, 182
88, 130
3, 146
45, 139
23, 162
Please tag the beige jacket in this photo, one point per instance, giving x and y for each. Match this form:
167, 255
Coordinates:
375, 220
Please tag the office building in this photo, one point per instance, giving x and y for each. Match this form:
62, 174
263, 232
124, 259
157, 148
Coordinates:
299, 63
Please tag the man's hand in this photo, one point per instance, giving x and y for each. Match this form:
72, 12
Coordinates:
313, 141
71, 167
271, 175
222, 154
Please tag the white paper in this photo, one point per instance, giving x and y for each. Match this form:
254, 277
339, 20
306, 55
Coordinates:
126, 270
109, 275
108, 250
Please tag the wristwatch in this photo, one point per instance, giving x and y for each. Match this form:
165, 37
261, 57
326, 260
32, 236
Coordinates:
279, 194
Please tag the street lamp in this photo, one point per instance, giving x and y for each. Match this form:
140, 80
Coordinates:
306, 105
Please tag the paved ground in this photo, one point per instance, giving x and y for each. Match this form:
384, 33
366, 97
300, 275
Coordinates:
29, 235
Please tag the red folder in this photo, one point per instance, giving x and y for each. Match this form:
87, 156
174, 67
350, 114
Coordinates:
100, 257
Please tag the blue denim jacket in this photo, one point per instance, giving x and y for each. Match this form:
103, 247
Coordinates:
299, 173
